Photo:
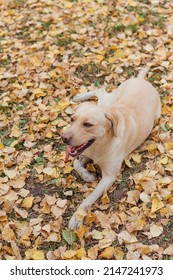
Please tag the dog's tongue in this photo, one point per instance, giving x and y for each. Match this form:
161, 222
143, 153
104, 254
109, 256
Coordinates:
67, 153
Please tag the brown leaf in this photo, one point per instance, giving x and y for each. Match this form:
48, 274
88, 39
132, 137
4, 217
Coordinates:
8, 234
107, 253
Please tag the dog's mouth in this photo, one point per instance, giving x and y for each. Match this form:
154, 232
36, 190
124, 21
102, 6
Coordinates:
77, 150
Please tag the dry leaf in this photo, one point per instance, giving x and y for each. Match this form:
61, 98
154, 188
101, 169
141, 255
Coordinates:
38, 255
127, 237
69, 254
107, 253
169, 250
93, 253
10, 173
156, 205
97, 234
156, 230
8, 234
27, 202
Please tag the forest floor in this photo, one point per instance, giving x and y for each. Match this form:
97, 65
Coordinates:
50, 51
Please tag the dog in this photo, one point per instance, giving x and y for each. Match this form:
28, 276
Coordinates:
108, 131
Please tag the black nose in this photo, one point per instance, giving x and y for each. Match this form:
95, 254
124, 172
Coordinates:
66, 139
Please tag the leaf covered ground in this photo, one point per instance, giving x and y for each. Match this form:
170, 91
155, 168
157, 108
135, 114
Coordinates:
51, 50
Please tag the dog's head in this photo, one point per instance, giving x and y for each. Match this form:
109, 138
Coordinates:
88, 124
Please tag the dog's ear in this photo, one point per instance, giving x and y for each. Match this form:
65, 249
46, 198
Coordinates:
117, 123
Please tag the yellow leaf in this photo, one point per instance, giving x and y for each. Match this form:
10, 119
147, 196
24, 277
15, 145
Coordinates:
105, 199
164, 160
38, 255
119, 53
128, 163
46, 208
63, 103
81, 253
132, 3
67, 169
1, 146
156, 205
90, 218
168, 146
80, 214
27, 202
80, 232
53, 74
10, 173
165, 109
38, 92
108, 253
112, 59
14, 143
152, 147
34, 60
48, 171
96, 234
118, 253
171, 45
90, 167
56, 172
29, 253
136, 158
49, 133
171, 19
15, 131
69, 254
100, 57
114, 48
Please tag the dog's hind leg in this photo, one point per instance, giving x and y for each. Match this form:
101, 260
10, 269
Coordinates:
87, 95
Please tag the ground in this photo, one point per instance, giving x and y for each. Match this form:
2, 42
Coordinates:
51, 50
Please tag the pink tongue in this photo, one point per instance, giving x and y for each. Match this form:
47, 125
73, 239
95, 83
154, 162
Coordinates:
67, 153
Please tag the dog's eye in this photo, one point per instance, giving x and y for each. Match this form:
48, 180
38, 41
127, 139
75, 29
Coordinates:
86, 124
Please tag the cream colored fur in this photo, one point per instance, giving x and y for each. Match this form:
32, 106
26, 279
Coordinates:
121, 120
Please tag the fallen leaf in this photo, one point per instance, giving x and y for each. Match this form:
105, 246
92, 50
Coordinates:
156, 205
10, 173
81, 253
38, 255
107, 253
27, 202
127, 237
48, 171
93, 253
169, 250
156, 230
8, 233
97, 234
69, 254
69, 236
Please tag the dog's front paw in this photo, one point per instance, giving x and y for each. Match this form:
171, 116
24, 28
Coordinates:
77, 218
74, 223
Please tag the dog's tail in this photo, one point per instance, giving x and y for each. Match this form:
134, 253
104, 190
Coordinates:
87, 95
142, 73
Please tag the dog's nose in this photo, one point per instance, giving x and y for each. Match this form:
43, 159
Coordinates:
66, 138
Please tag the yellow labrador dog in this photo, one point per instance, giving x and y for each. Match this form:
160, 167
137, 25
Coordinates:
108, 131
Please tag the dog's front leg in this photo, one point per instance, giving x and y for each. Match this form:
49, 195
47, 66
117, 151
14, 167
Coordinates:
102, 186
